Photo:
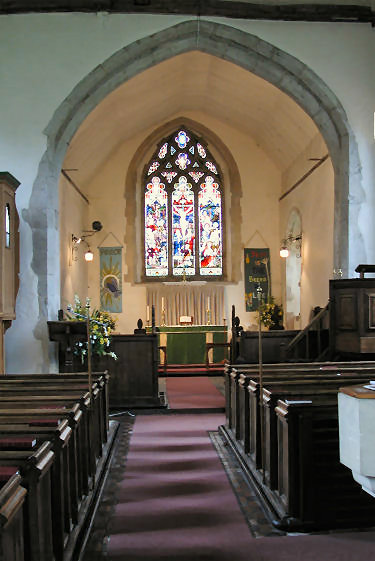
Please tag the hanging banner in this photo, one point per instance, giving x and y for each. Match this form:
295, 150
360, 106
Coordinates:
110, 279
257, 272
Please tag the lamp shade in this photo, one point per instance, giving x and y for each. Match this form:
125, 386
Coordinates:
284, 252
89, 256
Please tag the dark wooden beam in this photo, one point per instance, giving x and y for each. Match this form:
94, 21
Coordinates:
285, 12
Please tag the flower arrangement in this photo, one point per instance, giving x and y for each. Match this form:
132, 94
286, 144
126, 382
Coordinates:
271, 314
101, 326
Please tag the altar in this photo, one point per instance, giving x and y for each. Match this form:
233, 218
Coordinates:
187, 344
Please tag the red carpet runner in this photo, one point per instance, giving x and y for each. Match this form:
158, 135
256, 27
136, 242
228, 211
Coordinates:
176, 504
193, 393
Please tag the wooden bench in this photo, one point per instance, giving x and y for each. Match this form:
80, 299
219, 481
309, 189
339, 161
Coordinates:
12, 500
268, 469
35, 470
58, 409
314, 490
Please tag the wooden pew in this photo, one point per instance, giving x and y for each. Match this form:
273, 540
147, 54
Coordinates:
12, 500
45, 405
237, 380
293, 387
99, 379
275, 389
59, 396
314, 490
35, 470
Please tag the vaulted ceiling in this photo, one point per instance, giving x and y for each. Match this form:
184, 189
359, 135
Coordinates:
191, 82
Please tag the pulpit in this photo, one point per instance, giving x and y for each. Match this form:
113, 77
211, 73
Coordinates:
352, 315
9, 256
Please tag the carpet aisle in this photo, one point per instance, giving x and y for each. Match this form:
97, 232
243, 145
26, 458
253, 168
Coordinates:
175, 503
197, 392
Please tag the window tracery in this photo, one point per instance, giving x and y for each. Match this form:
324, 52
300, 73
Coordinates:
183, 214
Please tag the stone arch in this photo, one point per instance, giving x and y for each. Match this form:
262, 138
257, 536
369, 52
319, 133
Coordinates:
246, 50
232, 180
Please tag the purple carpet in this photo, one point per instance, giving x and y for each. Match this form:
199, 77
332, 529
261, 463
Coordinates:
193, 393
175, 504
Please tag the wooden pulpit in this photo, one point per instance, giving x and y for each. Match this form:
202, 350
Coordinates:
9, 256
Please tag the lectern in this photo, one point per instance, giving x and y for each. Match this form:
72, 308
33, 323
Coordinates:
9, 256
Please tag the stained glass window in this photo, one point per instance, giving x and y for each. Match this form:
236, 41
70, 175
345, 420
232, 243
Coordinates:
183, 212
7, 225
156, 229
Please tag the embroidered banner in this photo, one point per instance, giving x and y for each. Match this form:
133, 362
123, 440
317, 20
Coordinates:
257, 272
110, 279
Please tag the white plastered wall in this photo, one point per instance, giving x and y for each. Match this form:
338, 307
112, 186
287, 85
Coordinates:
45, 56
314, 199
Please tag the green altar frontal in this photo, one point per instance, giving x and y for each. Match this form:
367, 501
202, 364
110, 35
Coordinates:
187, 345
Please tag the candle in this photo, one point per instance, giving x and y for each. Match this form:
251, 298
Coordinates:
208, 302
162, 303
148, 313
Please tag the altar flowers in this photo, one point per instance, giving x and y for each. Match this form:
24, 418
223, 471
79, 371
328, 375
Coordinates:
101, 326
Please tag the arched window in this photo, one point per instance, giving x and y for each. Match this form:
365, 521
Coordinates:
183, 210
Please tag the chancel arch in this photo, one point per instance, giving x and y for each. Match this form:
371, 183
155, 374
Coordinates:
225, 42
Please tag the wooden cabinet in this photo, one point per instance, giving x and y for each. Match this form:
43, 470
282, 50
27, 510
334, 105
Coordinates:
9, 255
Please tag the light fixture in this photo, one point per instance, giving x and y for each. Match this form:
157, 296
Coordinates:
89, 256
291, 242
284, 251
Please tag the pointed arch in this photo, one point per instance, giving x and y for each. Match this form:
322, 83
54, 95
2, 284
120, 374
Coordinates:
248, 51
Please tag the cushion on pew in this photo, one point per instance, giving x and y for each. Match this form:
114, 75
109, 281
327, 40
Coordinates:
6, 473
44, 422
17, 443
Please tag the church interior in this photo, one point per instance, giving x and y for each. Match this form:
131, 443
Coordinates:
187, 264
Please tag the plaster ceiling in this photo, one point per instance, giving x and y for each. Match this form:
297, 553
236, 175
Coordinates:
192, 81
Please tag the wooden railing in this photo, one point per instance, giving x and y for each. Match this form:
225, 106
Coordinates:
312, 343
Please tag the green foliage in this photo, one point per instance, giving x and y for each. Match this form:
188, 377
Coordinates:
101, 326
271, 314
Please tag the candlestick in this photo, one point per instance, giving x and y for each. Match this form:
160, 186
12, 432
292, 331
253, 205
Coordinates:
162, 302
147, 313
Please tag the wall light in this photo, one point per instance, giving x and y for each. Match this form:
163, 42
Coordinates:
291, 242
284, 251
89, 256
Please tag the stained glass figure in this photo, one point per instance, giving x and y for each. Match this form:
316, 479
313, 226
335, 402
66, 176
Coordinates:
156, 229
183, 228
153, 167
163, 151
210, 229
182, 139
182, 160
